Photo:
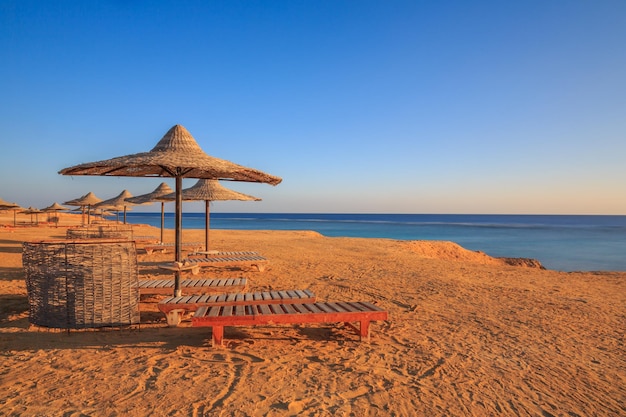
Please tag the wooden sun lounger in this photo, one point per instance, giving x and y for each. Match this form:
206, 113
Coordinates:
218, 317
175, 307
168, 247
146, 239
192, 286
194, 263
217, 253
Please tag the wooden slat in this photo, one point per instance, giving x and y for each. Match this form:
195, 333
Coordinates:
213, 311
323, 307
289, 309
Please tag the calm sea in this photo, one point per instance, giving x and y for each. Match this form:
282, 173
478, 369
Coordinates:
566, 243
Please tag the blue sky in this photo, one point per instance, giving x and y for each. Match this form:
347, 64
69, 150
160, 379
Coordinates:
360, 106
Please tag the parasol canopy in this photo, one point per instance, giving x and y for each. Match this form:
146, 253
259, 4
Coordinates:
33, 210
55, 207
119, 202
207, 191
148, 198
5, 205
87, 200
176, 155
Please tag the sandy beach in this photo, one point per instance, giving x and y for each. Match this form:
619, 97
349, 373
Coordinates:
467, 335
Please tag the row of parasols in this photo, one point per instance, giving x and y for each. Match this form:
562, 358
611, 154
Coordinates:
177, 155
204, 190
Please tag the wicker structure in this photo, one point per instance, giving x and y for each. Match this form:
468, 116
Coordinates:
119, 231
82, 284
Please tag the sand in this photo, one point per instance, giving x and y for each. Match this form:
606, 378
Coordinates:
467, 335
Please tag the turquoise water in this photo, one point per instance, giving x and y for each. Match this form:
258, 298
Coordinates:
566, 243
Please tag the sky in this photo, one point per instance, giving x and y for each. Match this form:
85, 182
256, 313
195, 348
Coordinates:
492, 107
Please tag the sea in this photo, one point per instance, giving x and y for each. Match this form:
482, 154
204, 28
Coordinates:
559, 242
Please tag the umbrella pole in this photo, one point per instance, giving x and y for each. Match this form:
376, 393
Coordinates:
162, 219
179, 233
124, 214
206, 226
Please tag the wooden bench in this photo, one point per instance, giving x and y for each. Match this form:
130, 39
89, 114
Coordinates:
167, 247
175, 308
146, 239
222, 259
192, 286
217, 253
218, 317
181, 266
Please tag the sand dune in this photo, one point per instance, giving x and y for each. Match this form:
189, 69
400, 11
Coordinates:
468, 335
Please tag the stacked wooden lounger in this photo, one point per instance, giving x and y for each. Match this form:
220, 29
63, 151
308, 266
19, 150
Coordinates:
217, 317
195, 262
168, 247
175, 307
192, 286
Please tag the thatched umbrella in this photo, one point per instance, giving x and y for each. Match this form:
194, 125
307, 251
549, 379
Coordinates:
120, 202
87, 200
54, 208
179, 156
33, 210
5, 205
160, 191
207, 191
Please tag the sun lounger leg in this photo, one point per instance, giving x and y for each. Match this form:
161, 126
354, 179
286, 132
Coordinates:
174, 317
364, 330
218, 335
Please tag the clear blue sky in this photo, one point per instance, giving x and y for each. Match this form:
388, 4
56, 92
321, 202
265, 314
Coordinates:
360, 106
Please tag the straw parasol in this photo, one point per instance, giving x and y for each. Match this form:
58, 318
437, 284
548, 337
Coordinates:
55, 207
33, 210
160, 191
179, 156
207, 191
117, 203
87, 200
5, 205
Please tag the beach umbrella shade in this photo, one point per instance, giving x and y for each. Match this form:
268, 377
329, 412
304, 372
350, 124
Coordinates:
117, 203
54, 208
160, 191
108, 210
87, 200
5, 205
176, 155
207, 191
33, 210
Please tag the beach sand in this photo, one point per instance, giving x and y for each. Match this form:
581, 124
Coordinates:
467, 335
